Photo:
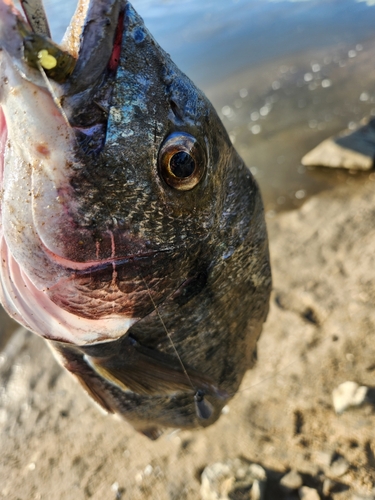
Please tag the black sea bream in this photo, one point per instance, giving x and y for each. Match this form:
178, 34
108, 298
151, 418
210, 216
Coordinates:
132, 234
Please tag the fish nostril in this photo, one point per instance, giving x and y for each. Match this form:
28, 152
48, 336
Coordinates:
175, 110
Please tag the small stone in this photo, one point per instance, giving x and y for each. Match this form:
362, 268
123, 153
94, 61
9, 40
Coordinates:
148, 470
115, 487
257, 490
323, 458
339, 467
216, 482
327, 487
348, 394
257, 472
291, 481
306, 493
220, 481
241, 473
225, 410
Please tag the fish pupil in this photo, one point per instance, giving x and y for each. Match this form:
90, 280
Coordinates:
182, 164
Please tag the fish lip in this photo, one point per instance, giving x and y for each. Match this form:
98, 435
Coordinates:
102, 20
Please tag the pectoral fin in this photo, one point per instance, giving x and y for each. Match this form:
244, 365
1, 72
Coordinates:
127, 378
149, 372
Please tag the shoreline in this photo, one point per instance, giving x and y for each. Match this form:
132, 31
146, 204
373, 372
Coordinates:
299, 114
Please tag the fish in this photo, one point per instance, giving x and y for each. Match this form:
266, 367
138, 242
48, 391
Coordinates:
132, 234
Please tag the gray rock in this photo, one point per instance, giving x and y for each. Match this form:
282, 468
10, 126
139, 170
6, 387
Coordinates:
350, 149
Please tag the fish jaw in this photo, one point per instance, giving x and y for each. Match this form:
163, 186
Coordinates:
35, 158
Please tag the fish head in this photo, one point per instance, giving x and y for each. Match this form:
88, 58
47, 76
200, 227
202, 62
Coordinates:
132, 235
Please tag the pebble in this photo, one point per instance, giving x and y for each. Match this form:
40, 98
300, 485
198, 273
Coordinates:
324, 457
257, 490
348, 394
220, 481
327, 487
306, 493
339, 467
148, 470
115, 487
291, 481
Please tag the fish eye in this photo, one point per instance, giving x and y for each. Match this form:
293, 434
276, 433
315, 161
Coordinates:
182, 161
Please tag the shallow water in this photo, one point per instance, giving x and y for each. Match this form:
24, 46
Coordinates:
211, 40
283, 75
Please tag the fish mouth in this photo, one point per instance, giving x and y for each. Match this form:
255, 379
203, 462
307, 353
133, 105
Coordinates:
34, 309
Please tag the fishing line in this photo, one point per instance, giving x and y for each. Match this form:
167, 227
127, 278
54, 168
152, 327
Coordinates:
52, 92
203, 408
167, 333
198, 394
269, 377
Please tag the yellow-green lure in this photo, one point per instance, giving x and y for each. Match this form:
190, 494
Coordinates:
47, 61
39, 50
